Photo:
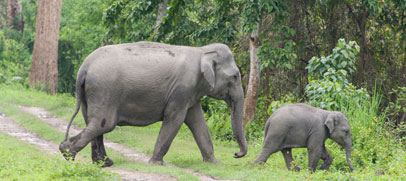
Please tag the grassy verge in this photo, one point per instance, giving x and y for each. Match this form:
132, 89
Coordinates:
22, 161
185, 153
34, 124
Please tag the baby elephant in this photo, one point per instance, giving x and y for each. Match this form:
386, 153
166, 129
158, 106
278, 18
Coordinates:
301, 125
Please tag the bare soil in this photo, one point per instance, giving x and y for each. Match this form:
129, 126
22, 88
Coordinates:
61, 125
12, 128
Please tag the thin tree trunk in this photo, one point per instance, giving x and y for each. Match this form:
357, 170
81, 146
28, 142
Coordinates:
363, 45
14, 15
3, 12
250, 102
159, 16
44, 68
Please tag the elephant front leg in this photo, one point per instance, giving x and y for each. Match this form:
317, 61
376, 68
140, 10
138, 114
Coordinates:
197, 124
173, 119
314, 154
327, 158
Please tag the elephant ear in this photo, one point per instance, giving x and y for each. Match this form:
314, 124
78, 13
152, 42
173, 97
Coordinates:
207, 66
330, 122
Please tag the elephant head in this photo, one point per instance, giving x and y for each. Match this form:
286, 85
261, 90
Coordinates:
224, 82
340, 132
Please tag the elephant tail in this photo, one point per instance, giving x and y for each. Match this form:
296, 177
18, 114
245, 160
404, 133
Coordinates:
80, 96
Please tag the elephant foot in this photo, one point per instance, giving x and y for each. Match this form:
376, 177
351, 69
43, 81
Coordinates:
323, 167
296, 169
107, 162
156, 162
211, 160
257, 162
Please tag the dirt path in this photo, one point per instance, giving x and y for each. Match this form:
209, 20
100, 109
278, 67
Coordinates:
12, 128
61, 124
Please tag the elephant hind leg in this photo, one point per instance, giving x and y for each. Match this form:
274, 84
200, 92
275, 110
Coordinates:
96, 127
99, 152
271, 145
287, 155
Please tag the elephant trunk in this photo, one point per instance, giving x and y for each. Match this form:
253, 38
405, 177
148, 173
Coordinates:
236, 104
348, 156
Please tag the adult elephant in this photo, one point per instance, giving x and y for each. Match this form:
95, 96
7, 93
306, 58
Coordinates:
141, 83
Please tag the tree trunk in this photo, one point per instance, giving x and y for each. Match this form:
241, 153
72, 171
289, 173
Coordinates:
3, 12
363, 45
44, 68
159, 16
14, 15
250, 102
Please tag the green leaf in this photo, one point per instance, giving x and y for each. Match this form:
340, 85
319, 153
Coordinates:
344, 53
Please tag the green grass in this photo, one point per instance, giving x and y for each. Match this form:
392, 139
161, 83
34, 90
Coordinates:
185, 153
34, 124
22, 161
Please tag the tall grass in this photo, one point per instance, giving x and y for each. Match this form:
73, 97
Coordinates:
363, 112
373, 145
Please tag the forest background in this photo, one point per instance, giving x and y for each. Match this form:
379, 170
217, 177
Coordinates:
348, 56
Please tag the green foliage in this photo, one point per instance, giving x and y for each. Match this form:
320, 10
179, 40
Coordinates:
14, 61
218, 119
396, 111
278, 55
187, 22
328, 77
336, 66
254, 10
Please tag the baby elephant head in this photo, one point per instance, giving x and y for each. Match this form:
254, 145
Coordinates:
340, 131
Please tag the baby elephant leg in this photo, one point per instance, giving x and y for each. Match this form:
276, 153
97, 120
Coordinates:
327, 159
287, 155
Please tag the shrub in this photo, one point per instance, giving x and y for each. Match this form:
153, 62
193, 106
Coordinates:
396, 111
328, 77
14, 61
218, 118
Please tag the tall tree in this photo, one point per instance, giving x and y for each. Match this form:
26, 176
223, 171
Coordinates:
252, 16
44, 68
161, 13
14, 15
251, 97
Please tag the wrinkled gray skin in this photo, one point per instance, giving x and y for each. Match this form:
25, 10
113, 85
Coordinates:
141, 83
300, 126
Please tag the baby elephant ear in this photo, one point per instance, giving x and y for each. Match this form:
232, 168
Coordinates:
330, 122
207, 67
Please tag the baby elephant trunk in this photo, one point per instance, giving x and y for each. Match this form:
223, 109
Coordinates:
348, 157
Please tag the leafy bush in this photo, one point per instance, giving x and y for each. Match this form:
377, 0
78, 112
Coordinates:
396, 111
328, 77
14, 61
218, 118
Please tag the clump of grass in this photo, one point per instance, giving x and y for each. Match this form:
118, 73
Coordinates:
21, 161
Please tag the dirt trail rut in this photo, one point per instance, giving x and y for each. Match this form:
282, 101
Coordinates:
12, 128
61, 125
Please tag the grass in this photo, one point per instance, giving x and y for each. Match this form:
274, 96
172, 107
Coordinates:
34, 124
22, 161
185, 153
